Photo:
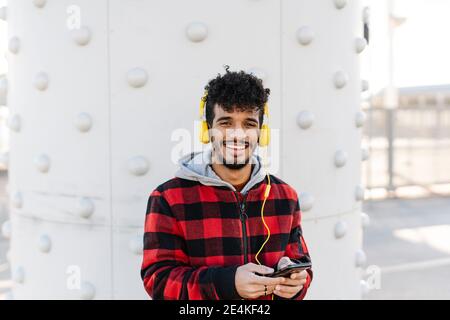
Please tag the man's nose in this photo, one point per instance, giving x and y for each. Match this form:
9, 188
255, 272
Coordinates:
236, 133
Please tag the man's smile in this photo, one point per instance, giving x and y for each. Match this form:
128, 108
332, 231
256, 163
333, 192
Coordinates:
236, 148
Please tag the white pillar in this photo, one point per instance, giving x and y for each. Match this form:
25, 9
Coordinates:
96, 90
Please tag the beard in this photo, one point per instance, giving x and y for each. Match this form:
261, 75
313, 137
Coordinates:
235, 165
237, 162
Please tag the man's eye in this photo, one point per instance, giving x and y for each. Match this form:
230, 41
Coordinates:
224, 123
251, 125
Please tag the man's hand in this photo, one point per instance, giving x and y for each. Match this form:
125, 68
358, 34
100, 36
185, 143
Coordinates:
251, 286
293, 284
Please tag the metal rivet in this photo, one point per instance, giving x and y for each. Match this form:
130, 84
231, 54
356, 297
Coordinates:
339, 4
6, 229
138, 165
19, 275
39, 3
86, 207
306, 201
305, 119
364, 85
17, 200
340, 79
340, 158
14, 122
87, 291
14, 45
81, 36
305, 35
196, 31
44, 243
360, 44
360, 258
42, 163
137, 77
41, 81
340, 229
83, 122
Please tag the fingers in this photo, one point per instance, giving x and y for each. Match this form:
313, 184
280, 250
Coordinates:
292, 285
267, 280
258, 290
287, 291
294, 282
270, 290
296, 279
299, 275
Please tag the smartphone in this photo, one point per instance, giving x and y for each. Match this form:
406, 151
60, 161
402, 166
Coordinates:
288, 270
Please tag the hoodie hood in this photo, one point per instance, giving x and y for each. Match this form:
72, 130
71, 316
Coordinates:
196, 166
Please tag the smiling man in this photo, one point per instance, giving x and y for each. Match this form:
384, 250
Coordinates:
203, 228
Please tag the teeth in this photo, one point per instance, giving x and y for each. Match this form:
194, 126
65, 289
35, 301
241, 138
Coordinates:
235, 146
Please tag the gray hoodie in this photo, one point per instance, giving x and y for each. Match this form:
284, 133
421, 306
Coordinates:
196, 166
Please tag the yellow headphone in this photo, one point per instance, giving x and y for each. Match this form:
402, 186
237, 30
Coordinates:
264, 139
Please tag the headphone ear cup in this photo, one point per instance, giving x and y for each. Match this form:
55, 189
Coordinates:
204, 133
264, 137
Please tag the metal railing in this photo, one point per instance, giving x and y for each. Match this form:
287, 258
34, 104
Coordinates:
408, 146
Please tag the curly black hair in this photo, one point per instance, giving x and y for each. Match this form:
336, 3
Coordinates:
235, 90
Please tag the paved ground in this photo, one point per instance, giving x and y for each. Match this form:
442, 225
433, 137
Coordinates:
410, 241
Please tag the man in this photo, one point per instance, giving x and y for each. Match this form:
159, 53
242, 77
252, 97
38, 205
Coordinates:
203, 228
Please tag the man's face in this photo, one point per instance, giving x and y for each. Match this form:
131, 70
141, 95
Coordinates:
234, 136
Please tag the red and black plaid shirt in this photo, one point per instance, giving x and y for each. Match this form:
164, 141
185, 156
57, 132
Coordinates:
197, 235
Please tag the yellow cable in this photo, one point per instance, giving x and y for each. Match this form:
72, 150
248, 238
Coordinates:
266, 195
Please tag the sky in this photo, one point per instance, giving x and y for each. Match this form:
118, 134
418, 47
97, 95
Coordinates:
421, 46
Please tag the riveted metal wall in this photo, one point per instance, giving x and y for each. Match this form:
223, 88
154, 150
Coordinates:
93, 109
321, 132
